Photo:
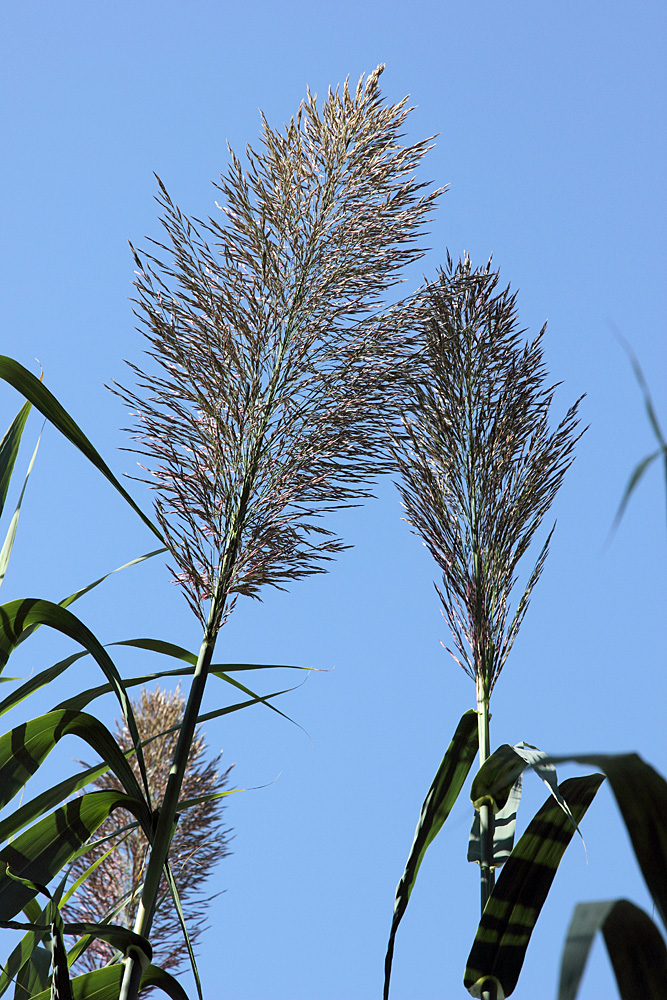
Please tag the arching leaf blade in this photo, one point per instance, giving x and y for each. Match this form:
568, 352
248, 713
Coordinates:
641, 796
437, 806
24, 749
17, 616
36, 393
636, 949
10, 537
71, 598
104, 984
43, 850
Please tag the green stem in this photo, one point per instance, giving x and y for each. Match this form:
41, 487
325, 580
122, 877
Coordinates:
486, 869
167, 816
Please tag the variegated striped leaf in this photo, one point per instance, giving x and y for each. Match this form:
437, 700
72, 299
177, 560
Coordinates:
512, 909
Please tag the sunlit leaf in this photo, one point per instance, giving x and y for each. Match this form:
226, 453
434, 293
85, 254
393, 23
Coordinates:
504, 827
24, 748
17, 616
9, 449
496, 777
104, 984
71, 598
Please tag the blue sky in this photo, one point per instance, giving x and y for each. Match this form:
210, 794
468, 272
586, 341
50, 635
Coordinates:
551, 123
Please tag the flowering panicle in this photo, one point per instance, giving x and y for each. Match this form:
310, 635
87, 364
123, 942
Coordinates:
277, 365
479, 465
200, 841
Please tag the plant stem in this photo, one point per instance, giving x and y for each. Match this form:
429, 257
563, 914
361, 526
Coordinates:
167, 814
486, 869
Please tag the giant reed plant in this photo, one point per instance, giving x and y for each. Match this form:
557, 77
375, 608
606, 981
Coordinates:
273, 362
480, 472
480, 467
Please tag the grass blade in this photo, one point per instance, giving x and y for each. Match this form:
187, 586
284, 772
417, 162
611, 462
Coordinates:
10, 537
42, 851
104, 984
514, 905
9, 449
66, 601
20, 615
36, 393
635, 945
437, 806
24, 748
641, 796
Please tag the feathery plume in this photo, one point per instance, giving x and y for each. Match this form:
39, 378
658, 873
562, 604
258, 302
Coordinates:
480, 467
277, 361
200, 842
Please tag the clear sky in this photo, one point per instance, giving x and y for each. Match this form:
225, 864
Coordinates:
551, 123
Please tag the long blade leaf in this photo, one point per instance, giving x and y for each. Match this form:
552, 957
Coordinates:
36, 393
104, 984
20, 615
42, 851
24, 748
10, 537
9, 449
437, 806
636, 949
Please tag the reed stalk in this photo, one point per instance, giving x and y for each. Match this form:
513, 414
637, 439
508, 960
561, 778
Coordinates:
480, 469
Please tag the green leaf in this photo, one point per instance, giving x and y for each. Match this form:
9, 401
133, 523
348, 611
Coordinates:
635, 945
42, 851
641, 796
104, 984
9, 449
53, 796
117, 936
32, 389
176, 899
10, 537
20, 615
514, 905
24, 950
47, 800
24, 748
38, 681
34, 975
437, 806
